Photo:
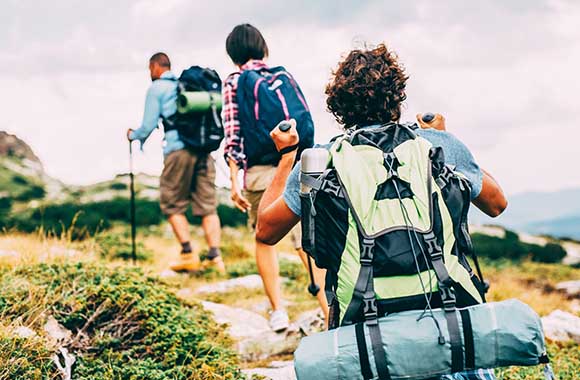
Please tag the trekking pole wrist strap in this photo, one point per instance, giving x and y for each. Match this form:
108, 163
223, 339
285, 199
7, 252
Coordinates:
288, 149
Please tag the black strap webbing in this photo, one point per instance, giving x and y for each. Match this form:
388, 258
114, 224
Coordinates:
378, 349
447, 292
455, 337
468, 339
363, 354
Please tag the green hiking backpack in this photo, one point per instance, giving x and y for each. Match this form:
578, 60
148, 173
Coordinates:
387, 219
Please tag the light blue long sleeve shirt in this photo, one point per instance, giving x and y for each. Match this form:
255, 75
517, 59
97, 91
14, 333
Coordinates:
161, 101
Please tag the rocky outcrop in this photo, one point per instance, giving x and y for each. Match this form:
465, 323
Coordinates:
571, 288
12, 146
562, 326
254, 338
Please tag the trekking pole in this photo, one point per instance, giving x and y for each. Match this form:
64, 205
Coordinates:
132, 202
313, 288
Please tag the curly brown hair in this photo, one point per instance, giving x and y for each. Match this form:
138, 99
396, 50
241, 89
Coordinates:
368, 88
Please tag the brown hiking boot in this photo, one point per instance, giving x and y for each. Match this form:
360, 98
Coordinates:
216, 263
187, 262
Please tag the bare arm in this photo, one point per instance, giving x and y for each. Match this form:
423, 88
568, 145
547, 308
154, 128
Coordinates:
236, 193
491, 200
275, 218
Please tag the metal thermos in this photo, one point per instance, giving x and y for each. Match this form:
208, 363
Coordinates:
313, 162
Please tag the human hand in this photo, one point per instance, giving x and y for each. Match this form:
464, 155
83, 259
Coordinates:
285, 139
239, 200
129, 131
438, 122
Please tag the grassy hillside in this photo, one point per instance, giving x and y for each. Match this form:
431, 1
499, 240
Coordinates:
70, 279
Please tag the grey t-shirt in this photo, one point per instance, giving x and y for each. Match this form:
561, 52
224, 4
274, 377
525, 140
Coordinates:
456, 154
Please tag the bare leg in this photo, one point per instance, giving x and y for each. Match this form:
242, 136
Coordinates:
269, 271
319, 278
212, 230
180, 227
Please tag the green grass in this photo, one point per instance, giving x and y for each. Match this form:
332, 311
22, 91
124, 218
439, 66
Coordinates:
565, 358
125, 325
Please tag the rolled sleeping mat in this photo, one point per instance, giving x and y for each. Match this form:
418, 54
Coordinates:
198, 101
497, 334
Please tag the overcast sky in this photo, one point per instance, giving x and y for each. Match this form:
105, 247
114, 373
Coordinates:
504, 73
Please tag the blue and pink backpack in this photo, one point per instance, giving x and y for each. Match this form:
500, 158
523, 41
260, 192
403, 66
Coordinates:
265, 97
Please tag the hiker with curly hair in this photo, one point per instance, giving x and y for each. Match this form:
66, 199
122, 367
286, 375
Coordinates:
367, 91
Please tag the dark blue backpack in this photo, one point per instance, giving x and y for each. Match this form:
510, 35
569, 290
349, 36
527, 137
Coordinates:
265, 97
201, 132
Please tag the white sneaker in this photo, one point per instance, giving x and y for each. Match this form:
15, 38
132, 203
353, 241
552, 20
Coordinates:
279, 320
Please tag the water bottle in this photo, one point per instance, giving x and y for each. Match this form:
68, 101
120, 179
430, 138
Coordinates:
313, 163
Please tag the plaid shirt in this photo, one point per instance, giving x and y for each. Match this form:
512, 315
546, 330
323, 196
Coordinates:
478, 374
234, 146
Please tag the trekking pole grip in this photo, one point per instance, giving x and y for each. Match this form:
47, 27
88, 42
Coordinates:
284, 126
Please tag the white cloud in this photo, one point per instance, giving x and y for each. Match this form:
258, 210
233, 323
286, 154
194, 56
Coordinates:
504, 74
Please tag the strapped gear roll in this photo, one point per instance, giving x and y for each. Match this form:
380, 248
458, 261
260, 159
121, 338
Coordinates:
496, 334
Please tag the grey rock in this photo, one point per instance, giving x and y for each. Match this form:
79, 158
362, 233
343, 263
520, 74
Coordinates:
58, 333
168, 273
254, 338
277, 370
562, 326
309, 322
252, 281
571, 288
24, 332
263, 306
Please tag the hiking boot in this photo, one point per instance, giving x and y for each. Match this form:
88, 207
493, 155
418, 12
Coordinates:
216, 263
187, 262
279, 320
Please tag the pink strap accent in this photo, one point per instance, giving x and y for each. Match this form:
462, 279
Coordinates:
284, 106
256, 102
293, 82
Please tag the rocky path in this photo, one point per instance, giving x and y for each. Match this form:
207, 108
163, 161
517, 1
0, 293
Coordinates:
255, 341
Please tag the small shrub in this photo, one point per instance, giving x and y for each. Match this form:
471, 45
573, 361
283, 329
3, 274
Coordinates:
115, 246
118, 186
126, 325
495, 248
550, 253
20, 180
33, 192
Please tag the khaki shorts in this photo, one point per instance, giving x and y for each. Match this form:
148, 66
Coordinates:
188, 177
257, 179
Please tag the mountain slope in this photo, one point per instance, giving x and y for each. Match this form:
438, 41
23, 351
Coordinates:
555, 213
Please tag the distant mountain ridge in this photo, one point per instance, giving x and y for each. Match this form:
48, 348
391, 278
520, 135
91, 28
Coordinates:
553, 213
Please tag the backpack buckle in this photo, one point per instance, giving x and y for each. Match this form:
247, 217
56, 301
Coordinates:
366, 251
448, 297
370, 309
332, 188
433, 247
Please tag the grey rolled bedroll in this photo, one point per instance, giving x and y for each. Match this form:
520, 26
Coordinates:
496, 334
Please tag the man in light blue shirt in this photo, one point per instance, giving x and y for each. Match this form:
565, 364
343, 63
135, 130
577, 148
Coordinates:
187, 177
